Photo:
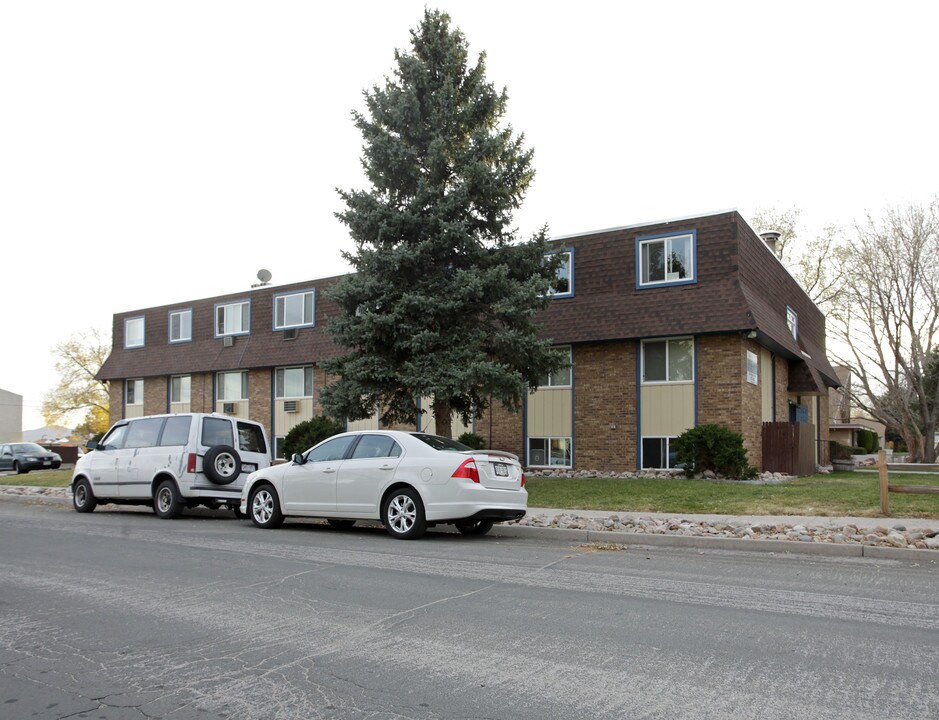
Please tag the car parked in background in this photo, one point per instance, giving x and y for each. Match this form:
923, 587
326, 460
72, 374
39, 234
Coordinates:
408, 480
26, 456
172, 462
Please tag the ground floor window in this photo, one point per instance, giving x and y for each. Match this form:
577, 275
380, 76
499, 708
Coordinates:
549, 452
657, 453
279, 446
232, 386
133, 392
180, 389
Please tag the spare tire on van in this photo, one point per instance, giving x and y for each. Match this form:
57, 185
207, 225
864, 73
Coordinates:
222, 464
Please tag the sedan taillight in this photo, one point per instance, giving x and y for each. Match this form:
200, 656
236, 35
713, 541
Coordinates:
523, 479
467, 470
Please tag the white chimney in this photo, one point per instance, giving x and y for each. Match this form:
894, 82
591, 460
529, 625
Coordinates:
771, 238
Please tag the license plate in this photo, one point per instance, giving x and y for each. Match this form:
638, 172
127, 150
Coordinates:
502, 470
46, 462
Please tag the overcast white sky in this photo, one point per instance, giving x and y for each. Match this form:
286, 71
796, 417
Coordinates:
157, 152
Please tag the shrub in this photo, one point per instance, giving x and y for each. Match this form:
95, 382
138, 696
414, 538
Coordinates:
858, 450
840, 451
308, 433
472, 440
714, 448
868, 440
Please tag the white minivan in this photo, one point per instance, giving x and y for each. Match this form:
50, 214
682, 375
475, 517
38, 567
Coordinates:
172, 462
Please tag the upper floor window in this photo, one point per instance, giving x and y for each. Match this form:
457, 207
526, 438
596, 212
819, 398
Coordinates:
792, 320
180, 326
665, 260
559, 378
295, 382
134, 332
753, 368
563, 285
668, 361
233, 318
293, 310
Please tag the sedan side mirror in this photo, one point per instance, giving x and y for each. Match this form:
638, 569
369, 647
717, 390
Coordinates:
298, 459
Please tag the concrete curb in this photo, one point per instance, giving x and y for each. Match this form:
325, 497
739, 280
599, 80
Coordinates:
564, 535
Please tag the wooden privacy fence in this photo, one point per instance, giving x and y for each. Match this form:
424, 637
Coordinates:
886, 488
789, 448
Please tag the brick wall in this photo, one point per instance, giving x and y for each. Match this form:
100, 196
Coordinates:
259, 397
115, 401
200, 392
782, 390
605, 396
154, 396
502, 430
751, 407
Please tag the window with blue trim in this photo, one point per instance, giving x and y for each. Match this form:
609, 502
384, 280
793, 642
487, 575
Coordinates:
666, 260
181, 326
563, 285
293, 310
134, 329
233, 318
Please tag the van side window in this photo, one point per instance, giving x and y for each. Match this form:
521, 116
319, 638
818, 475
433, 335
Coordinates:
143, 433
176, 431
114, 440
216, 431
250, 438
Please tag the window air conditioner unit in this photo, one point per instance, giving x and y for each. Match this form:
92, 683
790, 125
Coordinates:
228, 341
536, 457
228, 408
290, 406
290, 334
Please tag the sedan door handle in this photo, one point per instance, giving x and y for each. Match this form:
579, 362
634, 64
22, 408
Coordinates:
328, 470
387, 467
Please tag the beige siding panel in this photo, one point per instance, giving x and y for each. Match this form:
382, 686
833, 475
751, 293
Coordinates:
766, 384
370, 423
458, 427
180, 407
549, 412
667, 410
132, 411
284, 421
242, 408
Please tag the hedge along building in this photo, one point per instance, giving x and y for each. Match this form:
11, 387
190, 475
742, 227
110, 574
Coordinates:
669, 325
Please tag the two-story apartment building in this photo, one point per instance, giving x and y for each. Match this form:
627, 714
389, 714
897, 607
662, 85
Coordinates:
669, 325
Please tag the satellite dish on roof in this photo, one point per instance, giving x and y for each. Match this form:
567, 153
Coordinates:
264, 276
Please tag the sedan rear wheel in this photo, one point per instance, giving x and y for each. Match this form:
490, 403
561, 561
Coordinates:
403, 514
474, 527
265, 508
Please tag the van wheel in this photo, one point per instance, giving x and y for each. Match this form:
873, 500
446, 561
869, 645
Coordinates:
83, 499
403, 514
340, 523
166, 503
474, 527
222, 464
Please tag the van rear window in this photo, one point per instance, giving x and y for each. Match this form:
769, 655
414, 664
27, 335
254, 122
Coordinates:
216, 431
250, 438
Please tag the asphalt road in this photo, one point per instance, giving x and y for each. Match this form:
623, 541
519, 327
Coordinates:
121, 615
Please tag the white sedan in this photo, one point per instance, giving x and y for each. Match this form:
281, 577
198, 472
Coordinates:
408, 480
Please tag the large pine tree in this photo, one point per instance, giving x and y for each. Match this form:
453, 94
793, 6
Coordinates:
443, 299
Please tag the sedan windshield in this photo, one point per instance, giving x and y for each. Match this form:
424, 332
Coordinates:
441, 443
29, 448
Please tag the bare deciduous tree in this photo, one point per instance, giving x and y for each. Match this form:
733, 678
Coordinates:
886, 319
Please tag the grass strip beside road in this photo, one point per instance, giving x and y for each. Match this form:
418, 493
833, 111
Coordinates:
838, 494
850, 493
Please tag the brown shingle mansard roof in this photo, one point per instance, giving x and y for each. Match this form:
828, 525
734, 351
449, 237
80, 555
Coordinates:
740, 287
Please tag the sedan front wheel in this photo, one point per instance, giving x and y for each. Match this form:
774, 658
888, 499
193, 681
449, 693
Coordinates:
264, 508
403, 514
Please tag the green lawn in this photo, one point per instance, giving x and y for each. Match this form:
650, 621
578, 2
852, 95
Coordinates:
850, 493
853, 494
40, 478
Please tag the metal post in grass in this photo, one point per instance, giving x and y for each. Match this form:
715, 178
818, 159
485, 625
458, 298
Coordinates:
884, 483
